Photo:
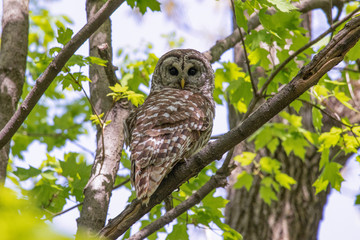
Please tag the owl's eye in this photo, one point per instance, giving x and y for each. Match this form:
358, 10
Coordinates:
192, 71
173, 71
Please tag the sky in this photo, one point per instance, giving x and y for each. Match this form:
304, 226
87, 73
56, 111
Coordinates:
201, 27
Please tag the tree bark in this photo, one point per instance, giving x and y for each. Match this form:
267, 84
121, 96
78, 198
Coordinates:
297, 213
14, 44
109, 139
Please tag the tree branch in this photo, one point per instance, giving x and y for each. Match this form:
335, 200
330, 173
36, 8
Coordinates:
103, 51
43, 82
308, 76
218, 180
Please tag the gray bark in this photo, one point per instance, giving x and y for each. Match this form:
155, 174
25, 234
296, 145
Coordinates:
14, 43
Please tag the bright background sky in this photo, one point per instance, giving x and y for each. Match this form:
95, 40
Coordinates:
202, 26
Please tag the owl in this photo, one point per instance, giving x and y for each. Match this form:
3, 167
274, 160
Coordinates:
175, 120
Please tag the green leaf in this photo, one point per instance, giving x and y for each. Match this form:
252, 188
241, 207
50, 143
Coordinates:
259, 56
320, 185
245, 158
344, 100
64, 35
282, 5
317, 119
144, 4
292, 119
263, 136
357, 201
179, 232
127, 234
117, 88
324, 158
332, 173
273, 145
267, 194
54, 50
77, 60
228, 232
135, 98
353, 53
254, 39
330, 139
97, 61
23, 173
49, 174
296, 105
77, 172
97, 119
320, 91
214, 202
120, 92
46, 194
269, 165
244, 179
241, 21
284, 180
297, 144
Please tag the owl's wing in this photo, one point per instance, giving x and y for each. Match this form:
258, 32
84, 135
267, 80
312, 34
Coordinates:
167, 130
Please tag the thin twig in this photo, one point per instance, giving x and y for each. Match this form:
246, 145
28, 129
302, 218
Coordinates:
346, 69
101, 122
245, 53
333, 118
351, 91
86, 95
66, 210
324, 112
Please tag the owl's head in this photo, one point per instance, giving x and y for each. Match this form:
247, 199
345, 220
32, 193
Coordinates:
185, 69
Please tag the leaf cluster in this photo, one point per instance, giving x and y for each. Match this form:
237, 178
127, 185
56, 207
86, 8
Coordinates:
267, 48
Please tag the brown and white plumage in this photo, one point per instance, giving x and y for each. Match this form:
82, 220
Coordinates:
175, 120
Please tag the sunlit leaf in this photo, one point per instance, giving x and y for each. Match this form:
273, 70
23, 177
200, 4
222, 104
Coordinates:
285, 180
244, 179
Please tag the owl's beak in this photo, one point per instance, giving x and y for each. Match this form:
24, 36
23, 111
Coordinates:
182, 83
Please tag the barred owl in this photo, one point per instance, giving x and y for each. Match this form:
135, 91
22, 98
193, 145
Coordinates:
175, 120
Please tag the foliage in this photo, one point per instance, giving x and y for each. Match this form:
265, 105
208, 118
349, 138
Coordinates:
120, 92
144, 4
21, 214
289, 132
63, 115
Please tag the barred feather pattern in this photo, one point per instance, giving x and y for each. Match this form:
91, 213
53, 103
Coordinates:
170, 126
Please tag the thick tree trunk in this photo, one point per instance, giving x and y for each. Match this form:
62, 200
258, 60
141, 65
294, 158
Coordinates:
14, 43
297, 213
110, 139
